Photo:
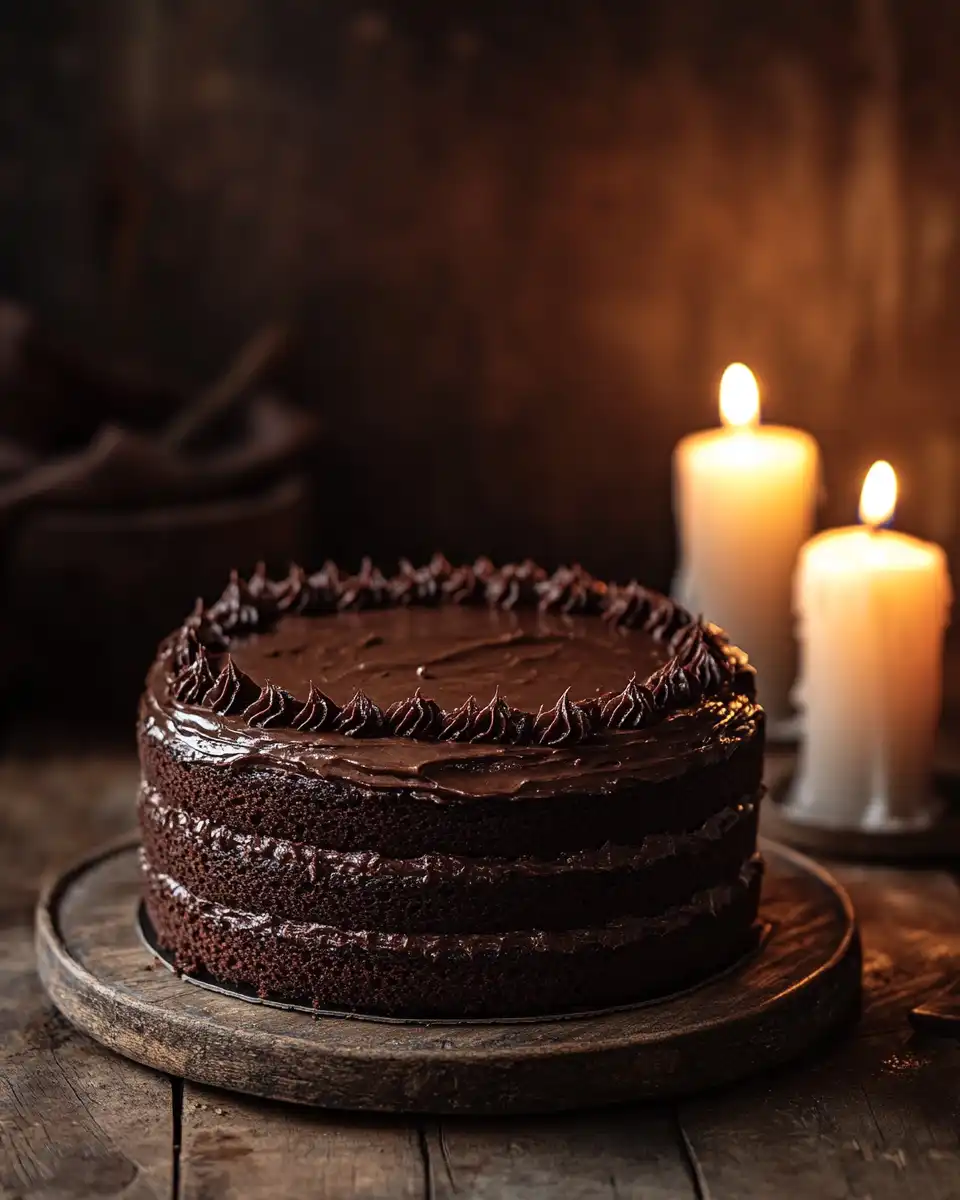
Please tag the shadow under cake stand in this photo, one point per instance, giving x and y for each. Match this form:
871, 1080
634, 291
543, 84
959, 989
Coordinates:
802, 982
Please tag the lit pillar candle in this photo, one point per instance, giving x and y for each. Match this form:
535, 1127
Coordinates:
872, 607
745, 497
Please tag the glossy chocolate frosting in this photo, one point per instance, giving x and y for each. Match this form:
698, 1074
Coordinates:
457, 771
458, 682
513, 627
448, 654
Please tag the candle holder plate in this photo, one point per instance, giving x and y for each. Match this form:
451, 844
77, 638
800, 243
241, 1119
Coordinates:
937, 839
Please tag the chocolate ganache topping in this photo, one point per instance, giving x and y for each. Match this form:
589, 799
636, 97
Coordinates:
415, 717
318, 713
632, 708
360, 718
273, 706
458, 726
232, 691
194, 680
566, 722
332, 670
241, 608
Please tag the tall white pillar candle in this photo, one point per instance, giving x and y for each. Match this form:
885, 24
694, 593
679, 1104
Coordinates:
872, 607
745, 498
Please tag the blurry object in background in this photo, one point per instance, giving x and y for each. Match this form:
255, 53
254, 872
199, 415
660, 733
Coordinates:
518, 240
745, 497
115, 514
53, 398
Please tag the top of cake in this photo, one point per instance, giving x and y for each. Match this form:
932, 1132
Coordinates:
466, 680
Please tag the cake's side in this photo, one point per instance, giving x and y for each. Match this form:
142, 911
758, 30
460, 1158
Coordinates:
523, 973
276, 789
422, 859
436, 892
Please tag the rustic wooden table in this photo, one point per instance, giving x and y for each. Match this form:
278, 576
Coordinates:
876, 1113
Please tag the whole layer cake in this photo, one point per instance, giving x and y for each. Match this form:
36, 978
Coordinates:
455, 792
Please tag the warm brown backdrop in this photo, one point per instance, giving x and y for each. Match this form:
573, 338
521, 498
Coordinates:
520, 239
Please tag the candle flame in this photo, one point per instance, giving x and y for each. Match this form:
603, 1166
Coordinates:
878, 498
739, 396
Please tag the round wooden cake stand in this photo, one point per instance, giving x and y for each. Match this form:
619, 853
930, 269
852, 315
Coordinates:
771, 1007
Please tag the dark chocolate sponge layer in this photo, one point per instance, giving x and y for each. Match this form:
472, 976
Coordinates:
479, 975
282, 798
439, 892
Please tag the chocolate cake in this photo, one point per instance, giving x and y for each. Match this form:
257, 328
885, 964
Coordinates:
455, 792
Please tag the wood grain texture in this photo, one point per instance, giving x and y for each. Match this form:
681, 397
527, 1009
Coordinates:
771, 1007
521, 241
236, 1148
75, 1120
240, 1147
591, 1156
875, 1115
872, 1113
54, 809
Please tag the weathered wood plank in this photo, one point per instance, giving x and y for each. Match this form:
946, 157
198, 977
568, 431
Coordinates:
54, 808
875, 1114
234, 1147
911, 936
876, 1117
75, 1120
592, 1156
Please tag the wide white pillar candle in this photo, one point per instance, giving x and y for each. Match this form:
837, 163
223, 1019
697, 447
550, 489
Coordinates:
872, 607
745, 498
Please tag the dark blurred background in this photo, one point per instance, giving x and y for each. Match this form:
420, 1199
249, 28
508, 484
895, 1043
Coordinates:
514, 245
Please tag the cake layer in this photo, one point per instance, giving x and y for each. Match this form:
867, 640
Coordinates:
688, 738
696, 765
442, 892
518, 973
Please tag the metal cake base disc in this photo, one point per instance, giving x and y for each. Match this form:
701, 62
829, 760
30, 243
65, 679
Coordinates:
771, 1007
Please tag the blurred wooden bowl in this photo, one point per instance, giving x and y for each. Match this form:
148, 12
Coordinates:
89, 594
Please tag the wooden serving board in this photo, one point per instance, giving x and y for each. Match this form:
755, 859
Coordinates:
771, 1007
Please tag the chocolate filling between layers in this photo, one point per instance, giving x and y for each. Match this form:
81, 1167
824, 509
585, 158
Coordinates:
446, 975
278, 788
438, 892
